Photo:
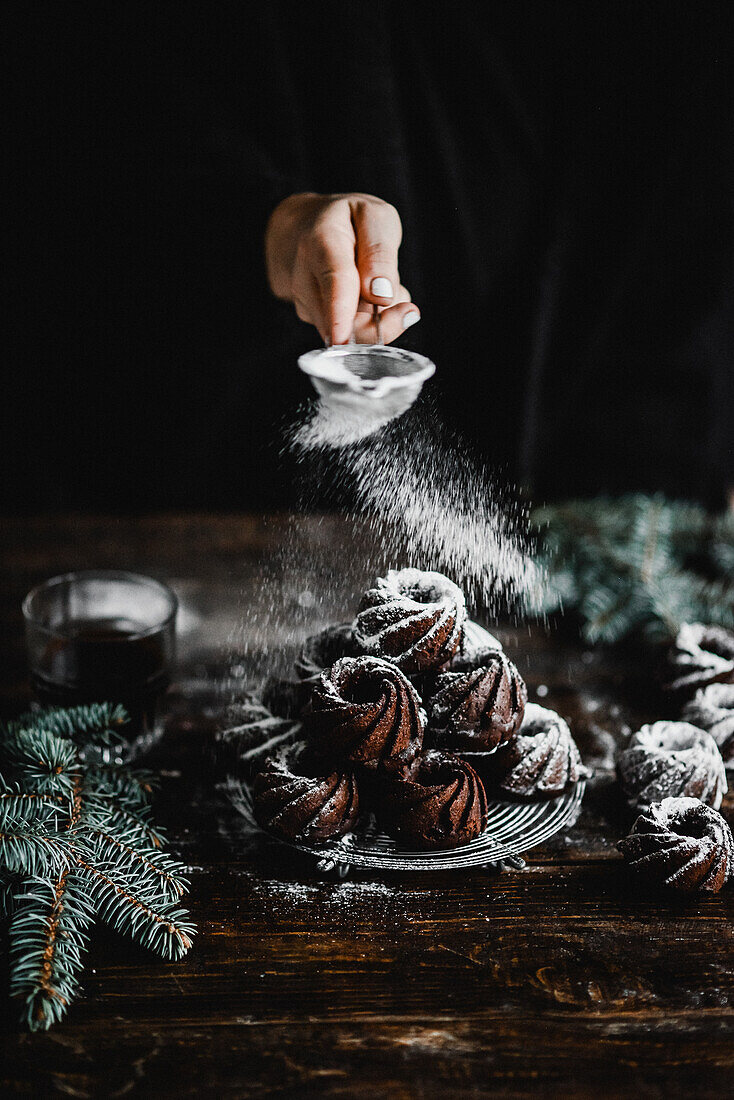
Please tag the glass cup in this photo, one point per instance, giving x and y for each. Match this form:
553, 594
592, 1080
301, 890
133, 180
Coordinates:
103, 636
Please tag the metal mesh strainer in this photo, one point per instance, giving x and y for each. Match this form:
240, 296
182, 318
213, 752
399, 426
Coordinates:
380, 381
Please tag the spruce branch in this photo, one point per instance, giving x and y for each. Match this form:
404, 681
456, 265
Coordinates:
98, 723
33, 850
142, 916
6, 896
128, 788
141, 867
80, 838
31, 807
122, 820
637, 564
49, 764
48, 935
48, 939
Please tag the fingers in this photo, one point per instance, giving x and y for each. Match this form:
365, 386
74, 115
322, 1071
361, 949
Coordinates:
378, 234
307, 301
346, 262
338, 281
393, 322
365, 306
326, 281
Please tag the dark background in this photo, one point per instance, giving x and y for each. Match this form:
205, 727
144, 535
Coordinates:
564, 175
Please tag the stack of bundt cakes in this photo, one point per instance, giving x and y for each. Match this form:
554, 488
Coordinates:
411, 712
414, 713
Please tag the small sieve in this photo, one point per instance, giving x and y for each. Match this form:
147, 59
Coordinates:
380, 380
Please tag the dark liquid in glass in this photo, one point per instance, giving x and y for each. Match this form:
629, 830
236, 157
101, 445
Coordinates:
104, 660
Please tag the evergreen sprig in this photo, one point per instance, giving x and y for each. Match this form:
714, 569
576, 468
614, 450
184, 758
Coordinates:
97, 723
77, 845
49, 934
637, 564
48, 764
30, 848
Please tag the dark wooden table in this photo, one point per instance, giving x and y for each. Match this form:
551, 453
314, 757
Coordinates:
565, 979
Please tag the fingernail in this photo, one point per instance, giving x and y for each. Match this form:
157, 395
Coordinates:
382, 287
411, 318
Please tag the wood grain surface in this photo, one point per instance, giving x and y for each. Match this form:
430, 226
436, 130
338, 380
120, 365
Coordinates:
566, 979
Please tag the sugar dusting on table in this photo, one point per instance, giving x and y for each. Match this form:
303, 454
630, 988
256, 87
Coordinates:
337, 896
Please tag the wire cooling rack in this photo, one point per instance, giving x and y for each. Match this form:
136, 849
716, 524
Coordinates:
512, 828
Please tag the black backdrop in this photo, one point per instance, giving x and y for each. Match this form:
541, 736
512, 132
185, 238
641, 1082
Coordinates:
564, 175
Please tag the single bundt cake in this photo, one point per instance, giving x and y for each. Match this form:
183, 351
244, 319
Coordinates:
287, 696
252, 734
322, 650
412, 619
365, 711
701, 655
439, 802
682, 843
477, 710
540, 759
293, 798
712, 710
476, 646
671, 760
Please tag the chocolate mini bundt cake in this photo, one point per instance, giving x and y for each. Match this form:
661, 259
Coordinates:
540, 759
712, 710
476, 646
682, 843
477, 710
671, 760
411, 618
287, 697
701, 655
252, 733
439, 802
365, 711
296, 800
322, 650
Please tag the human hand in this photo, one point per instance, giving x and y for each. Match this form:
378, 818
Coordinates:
336, 257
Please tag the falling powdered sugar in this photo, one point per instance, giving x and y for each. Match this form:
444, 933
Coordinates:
433, 504
342, 425
408, 494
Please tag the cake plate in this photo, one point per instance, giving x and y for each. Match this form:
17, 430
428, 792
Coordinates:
512, 828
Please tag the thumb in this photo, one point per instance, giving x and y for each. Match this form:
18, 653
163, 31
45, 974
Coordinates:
378, 234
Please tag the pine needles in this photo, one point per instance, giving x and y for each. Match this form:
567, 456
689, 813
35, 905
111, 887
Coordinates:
638, 564
77, 845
